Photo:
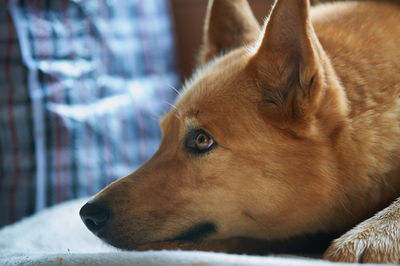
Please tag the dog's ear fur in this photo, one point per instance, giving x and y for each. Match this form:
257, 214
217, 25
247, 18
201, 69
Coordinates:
229, 24
288, 64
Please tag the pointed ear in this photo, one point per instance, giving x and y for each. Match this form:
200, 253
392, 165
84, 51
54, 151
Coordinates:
288, 63
229, 24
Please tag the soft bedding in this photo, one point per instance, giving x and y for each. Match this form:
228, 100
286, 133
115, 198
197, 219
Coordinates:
56, 236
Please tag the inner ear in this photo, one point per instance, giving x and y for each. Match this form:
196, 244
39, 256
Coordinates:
288, 64
229, 24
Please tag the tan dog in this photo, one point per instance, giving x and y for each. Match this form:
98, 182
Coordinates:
286, 130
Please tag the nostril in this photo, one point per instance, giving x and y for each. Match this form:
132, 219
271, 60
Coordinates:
94, 216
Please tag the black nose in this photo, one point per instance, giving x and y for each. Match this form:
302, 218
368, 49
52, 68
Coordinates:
94, 215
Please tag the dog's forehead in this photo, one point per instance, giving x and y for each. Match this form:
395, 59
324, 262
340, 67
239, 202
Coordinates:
212, 81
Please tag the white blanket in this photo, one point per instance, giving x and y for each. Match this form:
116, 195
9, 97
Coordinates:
57, 236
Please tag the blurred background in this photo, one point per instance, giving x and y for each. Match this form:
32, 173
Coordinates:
83, 84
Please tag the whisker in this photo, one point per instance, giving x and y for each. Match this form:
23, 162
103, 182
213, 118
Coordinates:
175, 89
177, 114
172, 106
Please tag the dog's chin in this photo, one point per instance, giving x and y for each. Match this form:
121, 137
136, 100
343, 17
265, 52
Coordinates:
203, 236
128, 244
189, 237
307, 245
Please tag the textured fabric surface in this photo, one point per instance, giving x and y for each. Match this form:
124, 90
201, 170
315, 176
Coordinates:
83, 84
60, 238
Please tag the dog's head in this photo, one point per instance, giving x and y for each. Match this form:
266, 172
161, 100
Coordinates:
249, 148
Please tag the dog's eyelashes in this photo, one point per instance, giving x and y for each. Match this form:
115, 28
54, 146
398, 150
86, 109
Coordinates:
199, 141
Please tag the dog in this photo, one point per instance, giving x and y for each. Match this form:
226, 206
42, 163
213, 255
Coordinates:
284, 130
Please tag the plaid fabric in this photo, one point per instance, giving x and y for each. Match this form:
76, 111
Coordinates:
82, 84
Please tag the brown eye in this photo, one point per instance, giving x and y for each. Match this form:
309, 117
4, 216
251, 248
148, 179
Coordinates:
199, 141
203, 141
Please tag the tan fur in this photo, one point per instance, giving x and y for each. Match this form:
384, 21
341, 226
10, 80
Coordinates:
374, 240
306, 118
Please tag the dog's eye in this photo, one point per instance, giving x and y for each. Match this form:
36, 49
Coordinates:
203, 141
199, 141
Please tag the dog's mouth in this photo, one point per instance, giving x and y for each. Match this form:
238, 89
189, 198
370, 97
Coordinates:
197, 232
193, 234
307, 245
197, 237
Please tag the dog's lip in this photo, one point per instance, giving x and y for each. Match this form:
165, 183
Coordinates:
197, 232
149, 245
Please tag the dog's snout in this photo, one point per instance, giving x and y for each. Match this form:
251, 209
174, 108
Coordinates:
95, 216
